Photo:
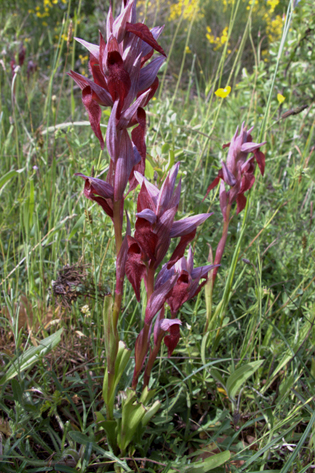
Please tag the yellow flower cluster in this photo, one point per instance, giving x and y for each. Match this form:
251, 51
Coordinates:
274, 28
45, 11
218, 41
187, 8
272, 5
83, 59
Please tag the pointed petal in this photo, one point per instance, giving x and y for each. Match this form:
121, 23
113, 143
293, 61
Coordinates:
112, 140
167, 189
102, 96
92, 48
95, 113
146, 239
124, 165
148, 73
132, 66
241, 202
187, 225
162, 228
157, 299
156, 32
251, 147
145, 200
180, 248
179, 294
248, 180
152, 190
119, 26
163, 276
98, 76
106, 204
148, 215
135, 268
143, 32
98, 186
171, 341
260, 158
228, 177
129, 115
109, 22
190, 260
202, 271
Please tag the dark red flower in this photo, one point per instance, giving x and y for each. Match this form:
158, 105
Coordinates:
119, 73
155, 226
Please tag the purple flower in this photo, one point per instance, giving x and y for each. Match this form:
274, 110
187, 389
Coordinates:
188, 283
155, 227
118, 67
238, 171
99, 191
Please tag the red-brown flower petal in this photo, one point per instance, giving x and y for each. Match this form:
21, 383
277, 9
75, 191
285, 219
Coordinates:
95, 113
135, 268
260, 158
143, 32
180, 248
241, 202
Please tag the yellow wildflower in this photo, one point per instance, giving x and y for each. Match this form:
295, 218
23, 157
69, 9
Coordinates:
280, 98
187, 8
223, 92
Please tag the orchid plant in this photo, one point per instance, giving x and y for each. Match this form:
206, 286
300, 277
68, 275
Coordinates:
124, 77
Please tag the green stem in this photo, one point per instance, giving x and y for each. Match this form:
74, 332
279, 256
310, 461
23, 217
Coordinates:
112, 321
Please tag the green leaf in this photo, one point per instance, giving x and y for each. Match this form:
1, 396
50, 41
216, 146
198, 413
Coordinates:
132, 414
149, 171
31, 356
65, 469
4, 179
121, 362
217, 376
240, 376
110, 427
80, 438
146, 395
210, 463
150, 413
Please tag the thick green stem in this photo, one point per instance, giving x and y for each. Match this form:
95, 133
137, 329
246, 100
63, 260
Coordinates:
111, 331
